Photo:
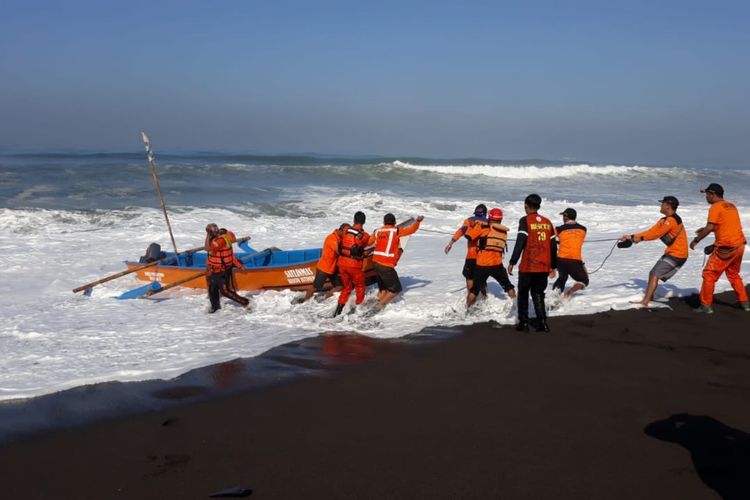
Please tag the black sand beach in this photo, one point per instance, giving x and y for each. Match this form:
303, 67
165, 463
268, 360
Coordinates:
632, 404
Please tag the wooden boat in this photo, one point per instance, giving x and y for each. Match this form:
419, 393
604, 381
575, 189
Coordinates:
270, 269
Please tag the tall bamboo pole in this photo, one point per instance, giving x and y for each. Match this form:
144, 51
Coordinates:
151, 165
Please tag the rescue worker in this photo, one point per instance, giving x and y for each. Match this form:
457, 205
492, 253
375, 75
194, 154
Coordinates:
570, 237
536, 241
670, 230
480, 214
490, 239
729, 247
386, 254
351, 258
326, 268
219, 263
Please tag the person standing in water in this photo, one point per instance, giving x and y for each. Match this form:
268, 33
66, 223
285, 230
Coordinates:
220, 261
490, 238
536, 241
351, 258
670, 230
729, 248
570, 237
387, 241
326, 268
480, 216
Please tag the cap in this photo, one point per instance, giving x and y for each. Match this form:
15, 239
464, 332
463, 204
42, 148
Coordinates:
714, 188
671, 200
496, 214
570, 213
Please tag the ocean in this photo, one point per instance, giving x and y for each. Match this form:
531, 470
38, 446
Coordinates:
67, 219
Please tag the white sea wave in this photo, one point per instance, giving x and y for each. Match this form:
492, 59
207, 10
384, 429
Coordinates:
544, 172
52, 339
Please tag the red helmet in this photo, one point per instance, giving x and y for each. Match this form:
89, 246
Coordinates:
495, 214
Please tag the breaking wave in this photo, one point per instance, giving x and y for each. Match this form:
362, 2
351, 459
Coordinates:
544, 172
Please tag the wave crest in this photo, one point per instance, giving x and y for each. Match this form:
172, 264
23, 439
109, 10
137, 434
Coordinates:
535, 172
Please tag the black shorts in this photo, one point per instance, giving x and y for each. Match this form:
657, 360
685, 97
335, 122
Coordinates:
576, 269
468, 271
321, 278
483, 273
387, 278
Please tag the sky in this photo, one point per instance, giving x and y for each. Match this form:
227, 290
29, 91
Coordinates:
648, 82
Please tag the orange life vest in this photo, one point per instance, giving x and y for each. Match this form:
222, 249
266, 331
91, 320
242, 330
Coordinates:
495, 240
221, 256
352, 247
352, 244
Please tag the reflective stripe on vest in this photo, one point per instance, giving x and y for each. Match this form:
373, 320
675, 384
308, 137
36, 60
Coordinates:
387, 252
351, 245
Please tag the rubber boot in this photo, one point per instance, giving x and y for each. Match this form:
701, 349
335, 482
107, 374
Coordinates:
523, 320
339, 308
541, 312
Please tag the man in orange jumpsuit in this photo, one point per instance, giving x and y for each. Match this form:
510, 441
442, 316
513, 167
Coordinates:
670, 230
351, 257
386, 254
326, 269
729, 247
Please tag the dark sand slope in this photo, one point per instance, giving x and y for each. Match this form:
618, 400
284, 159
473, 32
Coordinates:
593, 410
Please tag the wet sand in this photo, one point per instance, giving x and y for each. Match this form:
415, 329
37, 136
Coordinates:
630, 404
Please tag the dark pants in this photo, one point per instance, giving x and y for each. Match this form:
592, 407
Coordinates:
483, 273
535, 283
576, 269
221, 284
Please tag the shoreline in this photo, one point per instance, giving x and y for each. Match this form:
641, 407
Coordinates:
585, 411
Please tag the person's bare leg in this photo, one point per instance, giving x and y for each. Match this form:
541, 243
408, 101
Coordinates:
511, 293
470, 299
387, 297
469, 284
309, 291
574, 289
653, 282
333, 290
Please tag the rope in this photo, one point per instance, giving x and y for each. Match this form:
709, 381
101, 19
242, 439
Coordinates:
435, 231
605, 258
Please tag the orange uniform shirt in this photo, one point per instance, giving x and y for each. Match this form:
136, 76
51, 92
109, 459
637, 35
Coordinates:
471, 245
387, 240
570, 241
485, 258
329, 256
728, 232
669, 226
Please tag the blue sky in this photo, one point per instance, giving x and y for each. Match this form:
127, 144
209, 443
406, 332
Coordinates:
637, 82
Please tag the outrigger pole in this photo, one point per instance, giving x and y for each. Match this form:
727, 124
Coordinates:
151, 165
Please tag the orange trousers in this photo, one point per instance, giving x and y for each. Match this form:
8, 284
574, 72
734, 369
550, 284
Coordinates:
715, 267
352, 278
